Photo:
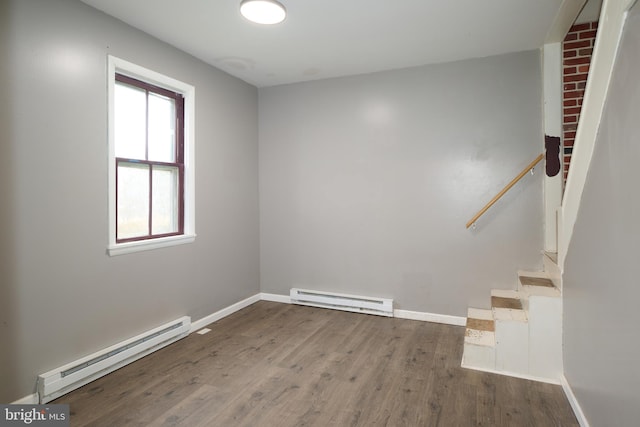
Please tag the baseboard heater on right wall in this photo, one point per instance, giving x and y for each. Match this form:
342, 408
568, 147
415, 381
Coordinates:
354, 303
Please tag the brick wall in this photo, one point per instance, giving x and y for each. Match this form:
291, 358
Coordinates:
577, 49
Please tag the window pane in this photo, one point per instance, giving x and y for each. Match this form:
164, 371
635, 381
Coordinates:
165, 200
133, 200
162, 122
130, 122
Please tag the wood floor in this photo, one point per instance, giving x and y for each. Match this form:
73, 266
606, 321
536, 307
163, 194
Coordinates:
281, 365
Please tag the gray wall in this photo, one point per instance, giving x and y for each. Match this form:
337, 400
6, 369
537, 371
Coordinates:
366, 182
600, 281
62, 297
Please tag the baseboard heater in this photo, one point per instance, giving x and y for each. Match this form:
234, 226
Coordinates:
358, 304
57, 382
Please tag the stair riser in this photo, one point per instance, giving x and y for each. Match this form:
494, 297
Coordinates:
512, 346
545, 337
479, 357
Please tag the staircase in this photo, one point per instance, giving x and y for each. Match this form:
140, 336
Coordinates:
521, 335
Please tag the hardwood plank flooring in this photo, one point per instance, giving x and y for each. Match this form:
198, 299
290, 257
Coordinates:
282, 365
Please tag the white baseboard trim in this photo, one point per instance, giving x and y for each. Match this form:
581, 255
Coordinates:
32, 399
285, 299
554, 381
401, 314
430, 317
577, 410
198, 324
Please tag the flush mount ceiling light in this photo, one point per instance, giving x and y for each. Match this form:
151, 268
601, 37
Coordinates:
263, 11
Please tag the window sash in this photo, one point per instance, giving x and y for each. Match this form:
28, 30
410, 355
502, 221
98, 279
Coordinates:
134, 163
178, 164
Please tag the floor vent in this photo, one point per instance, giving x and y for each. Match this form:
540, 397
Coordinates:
64, 379
358, 304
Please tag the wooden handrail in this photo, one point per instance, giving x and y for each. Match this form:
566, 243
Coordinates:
504, 190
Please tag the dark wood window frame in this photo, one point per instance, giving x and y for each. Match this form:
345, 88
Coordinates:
179, 158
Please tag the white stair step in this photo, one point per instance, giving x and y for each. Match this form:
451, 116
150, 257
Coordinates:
506, 293
538, 291
509, 315
479, 340
536, 283
477, 337
479, 313
480, 327
512, 331
507, 305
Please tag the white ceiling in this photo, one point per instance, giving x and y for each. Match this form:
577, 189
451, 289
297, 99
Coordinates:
330, 38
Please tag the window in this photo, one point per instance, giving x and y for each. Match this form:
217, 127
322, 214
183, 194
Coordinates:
151, 159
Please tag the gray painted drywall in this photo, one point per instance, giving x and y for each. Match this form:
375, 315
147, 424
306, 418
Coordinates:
366, 182
600, 279
62, 297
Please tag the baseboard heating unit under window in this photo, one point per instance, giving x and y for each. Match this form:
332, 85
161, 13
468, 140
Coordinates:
64, 379
358, 304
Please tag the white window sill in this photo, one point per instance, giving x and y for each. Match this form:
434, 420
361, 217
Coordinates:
148, 245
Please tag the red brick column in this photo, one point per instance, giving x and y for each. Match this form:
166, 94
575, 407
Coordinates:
576, 49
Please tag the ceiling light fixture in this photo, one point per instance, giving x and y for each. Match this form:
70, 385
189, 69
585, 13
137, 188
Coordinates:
263, 11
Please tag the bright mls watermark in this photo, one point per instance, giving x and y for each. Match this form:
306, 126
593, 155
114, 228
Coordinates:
34, 415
